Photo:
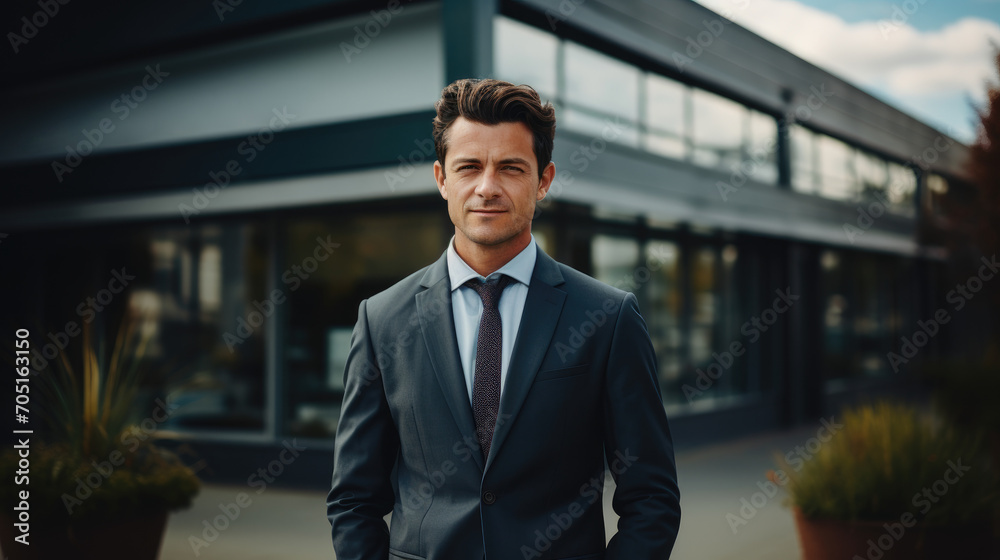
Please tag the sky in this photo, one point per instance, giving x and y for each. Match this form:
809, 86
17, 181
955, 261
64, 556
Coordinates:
932, 59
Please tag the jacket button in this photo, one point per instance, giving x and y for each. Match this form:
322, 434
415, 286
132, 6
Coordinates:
489, 497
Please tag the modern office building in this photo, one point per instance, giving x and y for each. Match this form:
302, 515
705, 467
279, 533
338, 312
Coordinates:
246, 173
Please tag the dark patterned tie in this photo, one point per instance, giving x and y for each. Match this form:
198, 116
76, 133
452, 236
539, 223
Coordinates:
486, 385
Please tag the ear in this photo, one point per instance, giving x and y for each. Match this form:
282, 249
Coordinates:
439, 179
546, 181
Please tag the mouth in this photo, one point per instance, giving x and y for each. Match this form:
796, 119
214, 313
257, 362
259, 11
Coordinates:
487, 211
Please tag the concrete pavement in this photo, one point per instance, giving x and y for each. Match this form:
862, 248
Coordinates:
286, 525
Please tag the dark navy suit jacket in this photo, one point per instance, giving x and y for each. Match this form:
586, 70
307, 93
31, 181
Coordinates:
581, 389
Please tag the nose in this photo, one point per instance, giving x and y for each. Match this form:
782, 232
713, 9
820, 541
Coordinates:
489, 185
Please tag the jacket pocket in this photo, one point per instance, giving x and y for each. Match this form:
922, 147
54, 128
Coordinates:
561, 373
393, 553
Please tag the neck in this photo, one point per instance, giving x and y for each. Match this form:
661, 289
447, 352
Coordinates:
487, 259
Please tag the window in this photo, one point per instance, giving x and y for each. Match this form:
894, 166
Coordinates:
662, 309
598, 89
607, 99
717, 134
835, 169
665, 119
196, 288
902, 186
761, 147
526, 55
615, 260
873, 173
373, 251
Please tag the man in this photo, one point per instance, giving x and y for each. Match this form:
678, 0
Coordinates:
485, 392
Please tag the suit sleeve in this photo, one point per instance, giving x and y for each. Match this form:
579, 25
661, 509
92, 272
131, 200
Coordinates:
365, 452
638, 445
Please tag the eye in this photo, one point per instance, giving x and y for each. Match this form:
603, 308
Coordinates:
467, 167
513, 168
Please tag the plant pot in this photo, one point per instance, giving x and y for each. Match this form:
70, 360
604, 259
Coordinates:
828, 539
129, 539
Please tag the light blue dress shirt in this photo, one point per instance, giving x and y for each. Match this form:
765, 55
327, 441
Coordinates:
467, 307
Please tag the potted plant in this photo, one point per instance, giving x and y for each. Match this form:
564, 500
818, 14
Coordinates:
894, 483
99, 487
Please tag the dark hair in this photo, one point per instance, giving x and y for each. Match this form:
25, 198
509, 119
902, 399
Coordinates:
491, 102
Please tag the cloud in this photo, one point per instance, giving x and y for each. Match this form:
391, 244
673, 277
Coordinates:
888, 56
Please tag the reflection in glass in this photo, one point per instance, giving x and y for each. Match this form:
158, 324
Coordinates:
803, 156
762, 147
525, 55
836, 169
902, 186
600, 83
836, 351
199, 286
663, 313
375, 251
615, 260
873, 174
703, 293
717, 133
666, 107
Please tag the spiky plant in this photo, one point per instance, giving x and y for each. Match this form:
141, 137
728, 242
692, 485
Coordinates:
90, 412
89, 468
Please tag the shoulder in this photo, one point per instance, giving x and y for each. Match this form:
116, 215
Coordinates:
397, 301
396, 298
581, 286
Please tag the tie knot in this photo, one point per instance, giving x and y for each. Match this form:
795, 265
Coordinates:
490, 292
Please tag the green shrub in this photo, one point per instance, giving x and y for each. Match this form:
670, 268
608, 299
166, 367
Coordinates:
879, 465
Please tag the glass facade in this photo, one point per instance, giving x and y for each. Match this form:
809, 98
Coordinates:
824, 166
869, 302
649, 110
199, 291
373, 251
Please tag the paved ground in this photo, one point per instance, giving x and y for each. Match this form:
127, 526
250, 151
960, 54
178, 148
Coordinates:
292, 525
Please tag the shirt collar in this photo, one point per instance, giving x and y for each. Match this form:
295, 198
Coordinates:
519, 268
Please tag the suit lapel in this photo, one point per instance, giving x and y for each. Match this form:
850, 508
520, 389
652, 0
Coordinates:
437, 324
541, 313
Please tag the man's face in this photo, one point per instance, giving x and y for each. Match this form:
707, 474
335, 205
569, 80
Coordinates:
490, 180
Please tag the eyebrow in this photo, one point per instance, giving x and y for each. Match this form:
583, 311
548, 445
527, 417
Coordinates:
504, 161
